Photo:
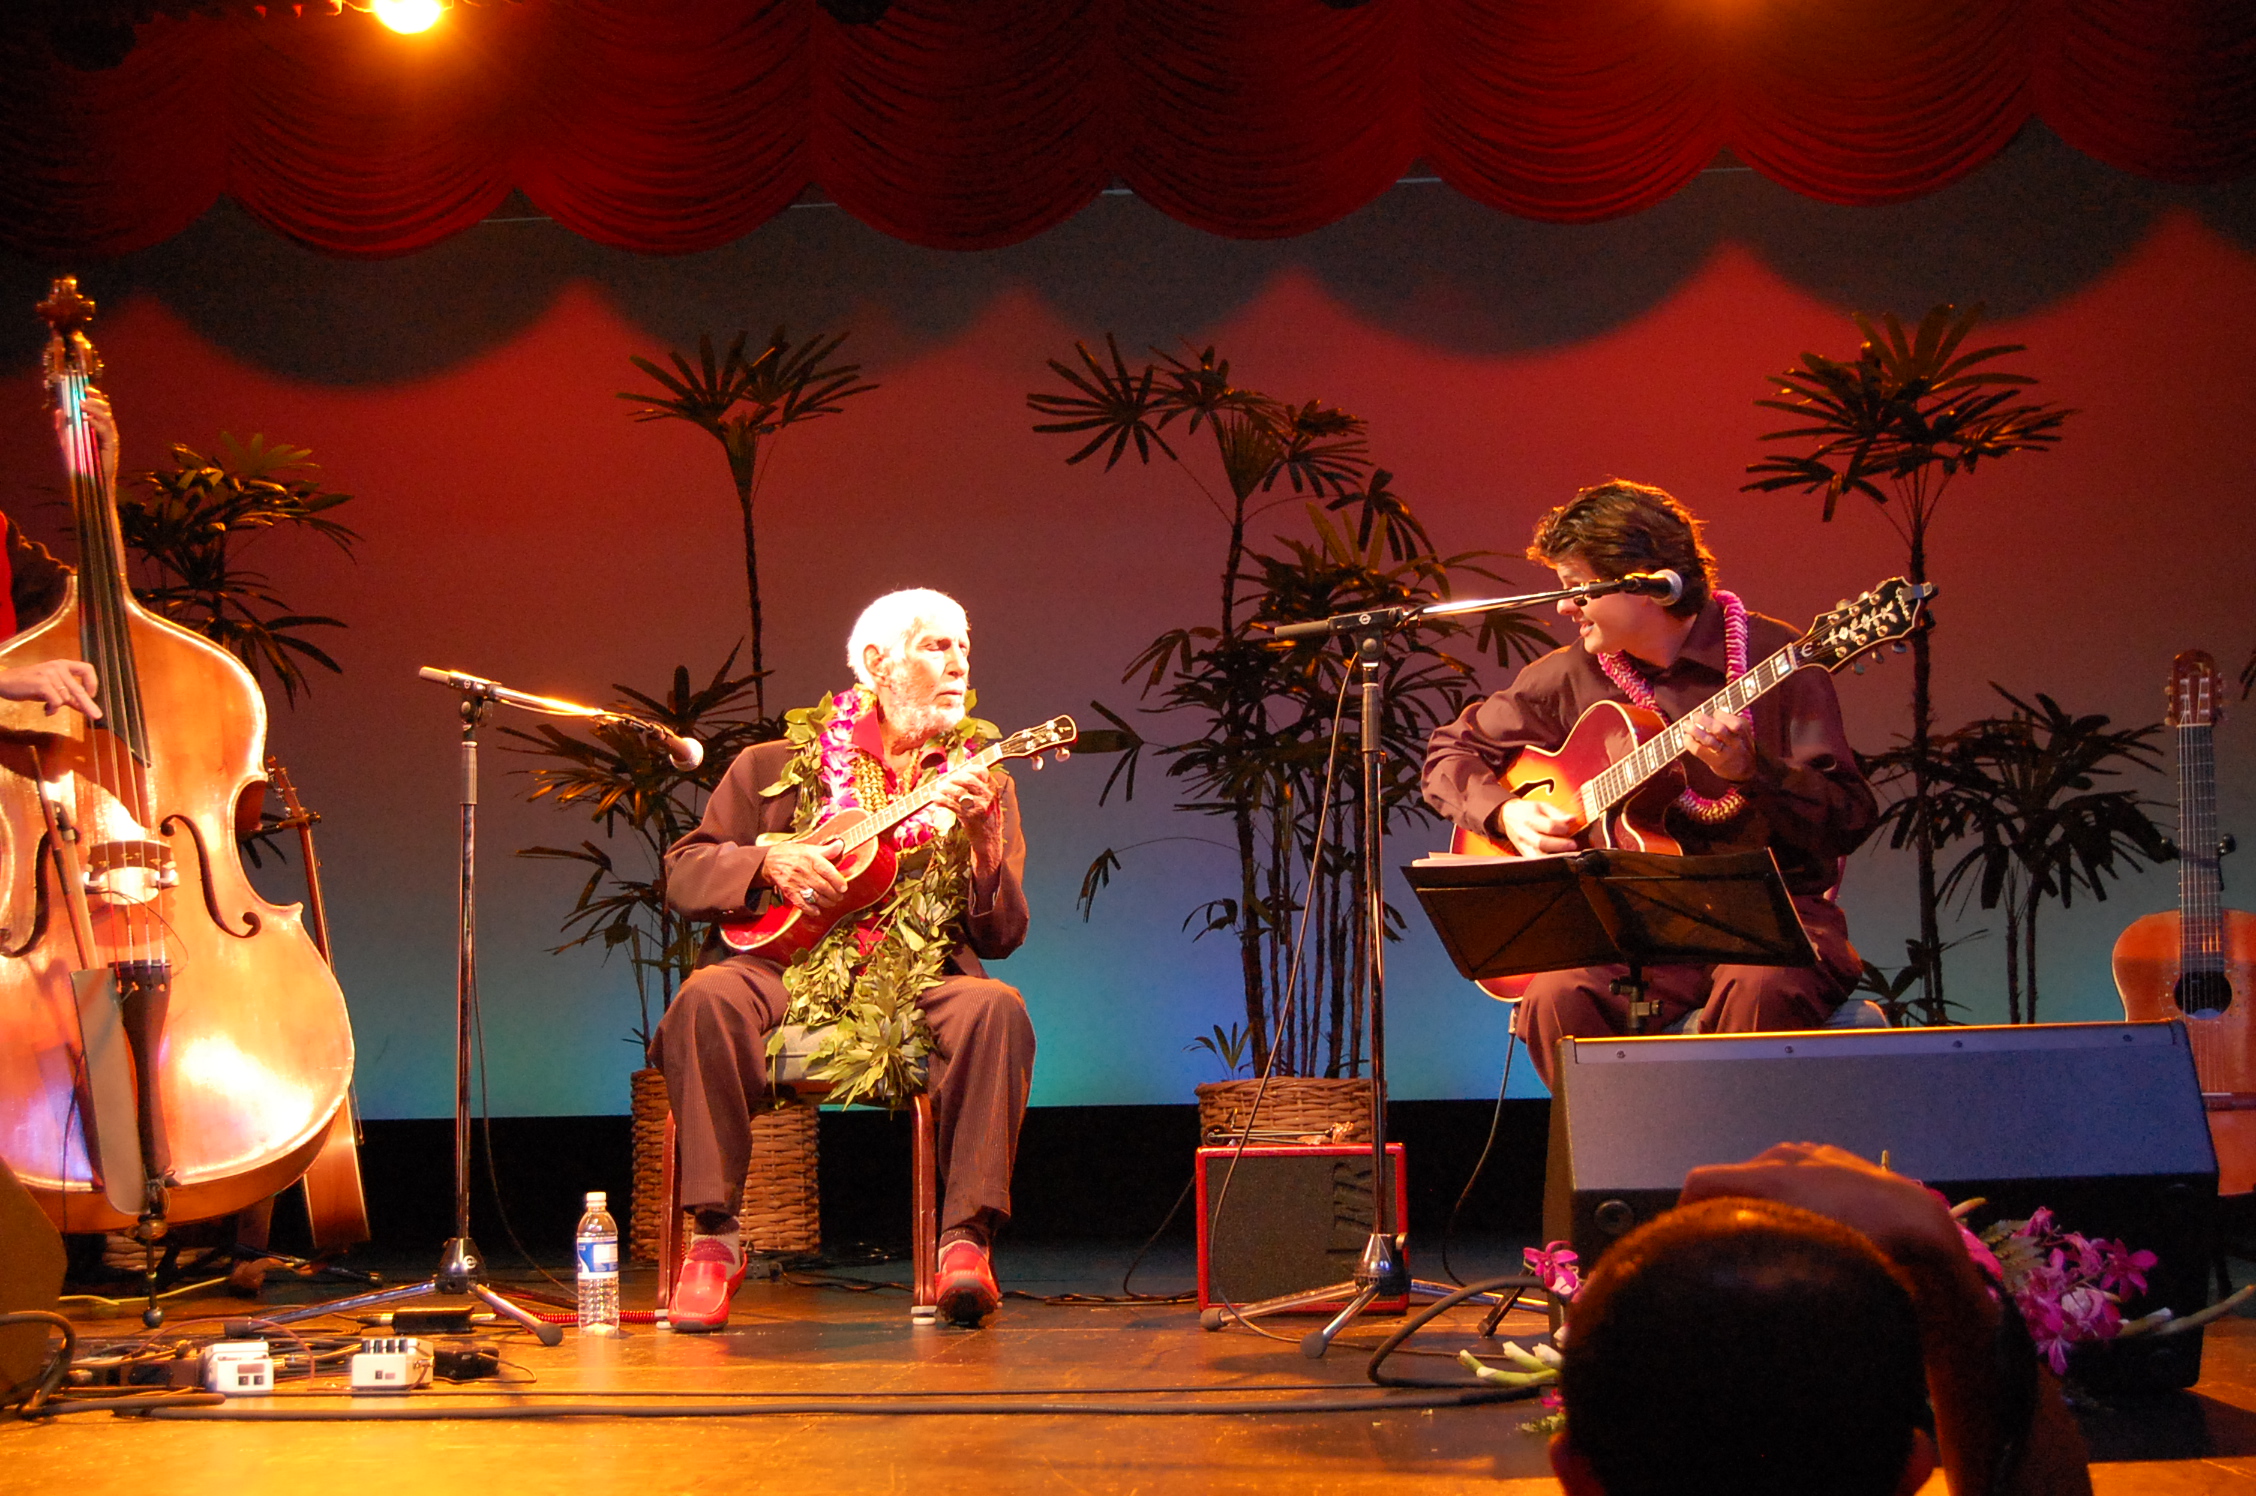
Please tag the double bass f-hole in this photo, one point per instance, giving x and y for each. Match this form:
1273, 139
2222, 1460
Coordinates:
171, 825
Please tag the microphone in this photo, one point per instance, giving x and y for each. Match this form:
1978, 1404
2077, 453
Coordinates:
683, 753
1667, 585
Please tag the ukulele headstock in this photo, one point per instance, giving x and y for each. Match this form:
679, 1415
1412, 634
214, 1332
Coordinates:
1054, 736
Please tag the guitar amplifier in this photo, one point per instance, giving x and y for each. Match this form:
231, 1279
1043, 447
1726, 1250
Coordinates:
1288, 1219
2102, 1122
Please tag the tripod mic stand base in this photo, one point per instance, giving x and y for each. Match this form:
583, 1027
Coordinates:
461, 1274
1383, 1273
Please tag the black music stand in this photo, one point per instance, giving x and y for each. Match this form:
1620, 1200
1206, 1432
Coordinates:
1512, 916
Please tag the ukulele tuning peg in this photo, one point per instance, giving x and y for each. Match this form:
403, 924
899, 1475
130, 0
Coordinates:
1858, 667
1899, 647
1842, 606
1064, 754
1036, 761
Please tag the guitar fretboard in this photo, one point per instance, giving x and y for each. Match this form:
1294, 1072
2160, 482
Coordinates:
1620, 779
2201, 921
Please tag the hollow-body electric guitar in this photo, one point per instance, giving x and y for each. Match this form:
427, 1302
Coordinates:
2198, 963
869, 861
1600, 776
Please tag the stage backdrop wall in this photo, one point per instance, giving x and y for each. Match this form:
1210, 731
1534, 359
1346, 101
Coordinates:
518, 525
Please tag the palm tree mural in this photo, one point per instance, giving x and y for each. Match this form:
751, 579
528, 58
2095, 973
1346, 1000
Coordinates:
741, 401
2024, 790
1898, 423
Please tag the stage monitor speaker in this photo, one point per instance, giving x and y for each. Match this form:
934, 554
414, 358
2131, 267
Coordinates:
1292, 1219
31, 1277
2102, 1122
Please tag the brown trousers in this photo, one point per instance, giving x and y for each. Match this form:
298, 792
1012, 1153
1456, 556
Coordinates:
712, 1044
1735, 999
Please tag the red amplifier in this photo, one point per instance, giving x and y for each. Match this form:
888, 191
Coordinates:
1288, 1219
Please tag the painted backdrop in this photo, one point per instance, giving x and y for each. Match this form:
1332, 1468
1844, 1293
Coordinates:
518, 525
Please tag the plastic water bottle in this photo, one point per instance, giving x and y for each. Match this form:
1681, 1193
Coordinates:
598, 1243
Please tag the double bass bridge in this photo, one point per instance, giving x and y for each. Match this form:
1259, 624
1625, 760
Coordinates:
128, 871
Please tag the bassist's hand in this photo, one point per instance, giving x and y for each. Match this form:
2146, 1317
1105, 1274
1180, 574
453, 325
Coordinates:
59, 683
805, 875
1536, 828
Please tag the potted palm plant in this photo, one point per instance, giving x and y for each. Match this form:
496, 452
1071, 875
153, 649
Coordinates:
1257, 752
643, 803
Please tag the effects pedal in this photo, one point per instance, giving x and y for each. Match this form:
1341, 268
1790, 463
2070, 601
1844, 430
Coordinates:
391, 1363
238, 1368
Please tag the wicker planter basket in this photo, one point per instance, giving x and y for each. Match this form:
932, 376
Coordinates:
1301, 1105
782, 1209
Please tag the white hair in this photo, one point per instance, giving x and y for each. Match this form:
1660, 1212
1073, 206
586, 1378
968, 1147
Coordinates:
892, 623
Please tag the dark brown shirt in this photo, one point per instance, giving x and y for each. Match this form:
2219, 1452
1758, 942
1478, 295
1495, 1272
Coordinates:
1807, 801
714, 872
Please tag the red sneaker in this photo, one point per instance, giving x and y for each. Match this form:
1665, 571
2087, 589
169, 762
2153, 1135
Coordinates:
967, 1284
709, 1279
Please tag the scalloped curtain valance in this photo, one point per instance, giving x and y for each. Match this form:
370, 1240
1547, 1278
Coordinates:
667, 126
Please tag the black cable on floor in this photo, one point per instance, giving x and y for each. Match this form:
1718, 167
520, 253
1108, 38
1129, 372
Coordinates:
1152, 1241
1426, 1316
414, 1412
1495, 1126
34, 1391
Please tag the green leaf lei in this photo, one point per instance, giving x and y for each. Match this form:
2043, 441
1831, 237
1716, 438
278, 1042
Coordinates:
877, 1036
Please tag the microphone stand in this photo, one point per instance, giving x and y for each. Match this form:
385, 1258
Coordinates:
461, 1271
1384, 1270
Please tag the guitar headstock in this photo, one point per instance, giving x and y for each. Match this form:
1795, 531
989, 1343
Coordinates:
1888, 613
1050, 736
2193, 690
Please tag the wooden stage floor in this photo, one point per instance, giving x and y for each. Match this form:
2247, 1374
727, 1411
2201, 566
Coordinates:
792, 1342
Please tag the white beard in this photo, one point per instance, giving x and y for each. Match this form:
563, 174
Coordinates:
918, 721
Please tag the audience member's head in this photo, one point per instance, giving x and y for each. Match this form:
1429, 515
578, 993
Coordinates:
1743, 1348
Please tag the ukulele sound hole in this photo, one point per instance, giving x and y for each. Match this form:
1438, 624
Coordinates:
2203, 994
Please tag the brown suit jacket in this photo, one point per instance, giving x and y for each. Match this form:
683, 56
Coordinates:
715, 871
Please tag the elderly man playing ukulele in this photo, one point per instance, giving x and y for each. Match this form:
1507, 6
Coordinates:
902, 727
1782, 776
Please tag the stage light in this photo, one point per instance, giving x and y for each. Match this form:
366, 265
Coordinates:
407, 16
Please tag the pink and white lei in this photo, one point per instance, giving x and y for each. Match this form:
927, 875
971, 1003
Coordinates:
840, 753
1631, 684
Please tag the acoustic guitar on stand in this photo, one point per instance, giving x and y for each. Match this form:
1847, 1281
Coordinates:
1616, 752
869, 861
2199, 964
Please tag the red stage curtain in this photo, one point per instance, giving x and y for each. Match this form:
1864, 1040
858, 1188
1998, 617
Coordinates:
667, 126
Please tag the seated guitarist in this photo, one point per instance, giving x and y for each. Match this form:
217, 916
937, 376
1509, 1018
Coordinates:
903, 725
1786, 781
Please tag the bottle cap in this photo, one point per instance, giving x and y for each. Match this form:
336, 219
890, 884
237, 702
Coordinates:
597, 1199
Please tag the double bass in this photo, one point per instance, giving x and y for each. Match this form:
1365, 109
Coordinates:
172, 1045
2199, 964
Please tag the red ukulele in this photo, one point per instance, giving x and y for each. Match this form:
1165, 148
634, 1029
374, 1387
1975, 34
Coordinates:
869, 861
1617, 752
2199, 963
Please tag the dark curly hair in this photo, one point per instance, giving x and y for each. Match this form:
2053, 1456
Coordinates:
1619, 527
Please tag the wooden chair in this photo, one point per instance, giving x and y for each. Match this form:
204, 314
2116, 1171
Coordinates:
788, 1073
